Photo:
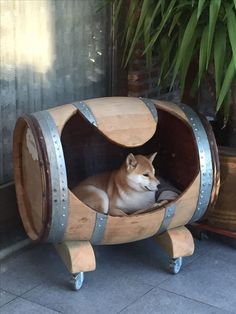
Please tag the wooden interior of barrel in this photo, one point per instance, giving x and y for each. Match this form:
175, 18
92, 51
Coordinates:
29, 185
88, 152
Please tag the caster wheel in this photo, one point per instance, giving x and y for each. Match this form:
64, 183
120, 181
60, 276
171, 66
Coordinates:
77, 281
175, 265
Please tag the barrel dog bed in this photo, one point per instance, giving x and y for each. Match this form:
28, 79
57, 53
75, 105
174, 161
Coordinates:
57, 148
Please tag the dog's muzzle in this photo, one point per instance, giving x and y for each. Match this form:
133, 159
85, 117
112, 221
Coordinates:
152, 190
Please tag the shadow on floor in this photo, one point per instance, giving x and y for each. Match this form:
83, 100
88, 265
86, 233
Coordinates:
130, 278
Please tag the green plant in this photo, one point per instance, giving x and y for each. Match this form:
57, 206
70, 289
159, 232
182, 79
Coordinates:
183, 31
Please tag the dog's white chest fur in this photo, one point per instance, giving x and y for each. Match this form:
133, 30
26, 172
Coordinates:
130, 202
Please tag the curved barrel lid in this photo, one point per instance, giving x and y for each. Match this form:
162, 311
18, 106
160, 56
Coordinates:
128, 121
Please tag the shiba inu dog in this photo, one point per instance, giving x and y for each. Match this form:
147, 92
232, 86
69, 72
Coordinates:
126, 190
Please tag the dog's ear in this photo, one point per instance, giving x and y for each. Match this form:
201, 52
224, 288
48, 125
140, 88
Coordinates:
131, 162
152, 156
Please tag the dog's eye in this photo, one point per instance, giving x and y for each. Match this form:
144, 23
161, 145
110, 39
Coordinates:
145, 174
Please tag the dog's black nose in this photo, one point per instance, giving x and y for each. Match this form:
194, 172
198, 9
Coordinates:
159, 185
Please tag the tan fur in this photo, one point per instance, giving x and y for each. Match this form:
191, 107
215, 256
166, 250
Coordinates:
129, 189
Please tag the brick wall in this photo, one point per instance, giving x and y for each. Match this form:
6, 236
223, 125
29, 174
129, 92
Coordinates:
143, 81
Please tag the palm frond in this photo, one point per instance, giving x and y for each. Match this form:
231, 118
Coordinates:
183, 31
200, 6
229, 75
213, 14
165, 17
219, 57
203, 53
139, 29
187, 37
231, 23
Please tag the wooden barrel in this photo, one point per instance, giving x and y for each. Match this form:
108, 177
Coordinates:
56, 148
223, 215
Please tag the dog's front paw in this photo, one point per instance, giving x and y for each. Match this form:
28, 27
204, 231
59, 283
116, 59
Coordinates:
161, 203
117, 212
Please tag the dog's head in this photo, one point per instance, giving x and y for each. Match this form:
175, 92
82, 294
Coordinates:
141, 173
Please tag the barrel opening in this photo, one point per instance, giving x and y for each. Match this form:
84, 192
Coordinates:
87, 151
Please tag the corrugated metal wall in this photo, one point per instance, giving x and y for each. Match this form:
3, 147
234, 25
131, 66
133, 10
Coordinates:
52, 52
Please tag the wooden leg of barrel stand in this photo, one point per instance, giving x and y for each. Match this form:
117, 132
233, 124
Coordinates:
177, 242
78, 257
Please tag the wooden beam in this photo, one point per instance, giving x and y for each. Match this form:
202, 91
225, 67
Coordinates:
177, 242
78, 256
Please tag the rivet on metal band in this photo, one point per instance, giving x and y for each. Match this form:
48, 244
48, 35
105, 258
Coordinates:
169, 213
86, 112
60, 200
99, 228
151, 106
205, 162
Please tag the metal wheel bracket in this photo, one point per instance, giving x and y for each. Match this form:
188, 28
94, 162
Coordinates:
77, 281
175, 265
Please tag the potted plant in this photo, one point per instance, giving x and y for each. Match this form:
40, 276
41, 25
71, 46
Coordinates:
196, 44
191, 35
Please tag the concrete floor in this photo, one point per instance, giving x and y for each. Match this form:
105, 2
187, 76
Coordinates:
130, 278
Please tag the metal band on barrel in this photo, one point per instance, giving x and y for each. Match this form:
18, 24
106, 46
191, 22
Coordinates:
99, 228
151, 106
60, 201
86, 112
205, 161
169, 213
